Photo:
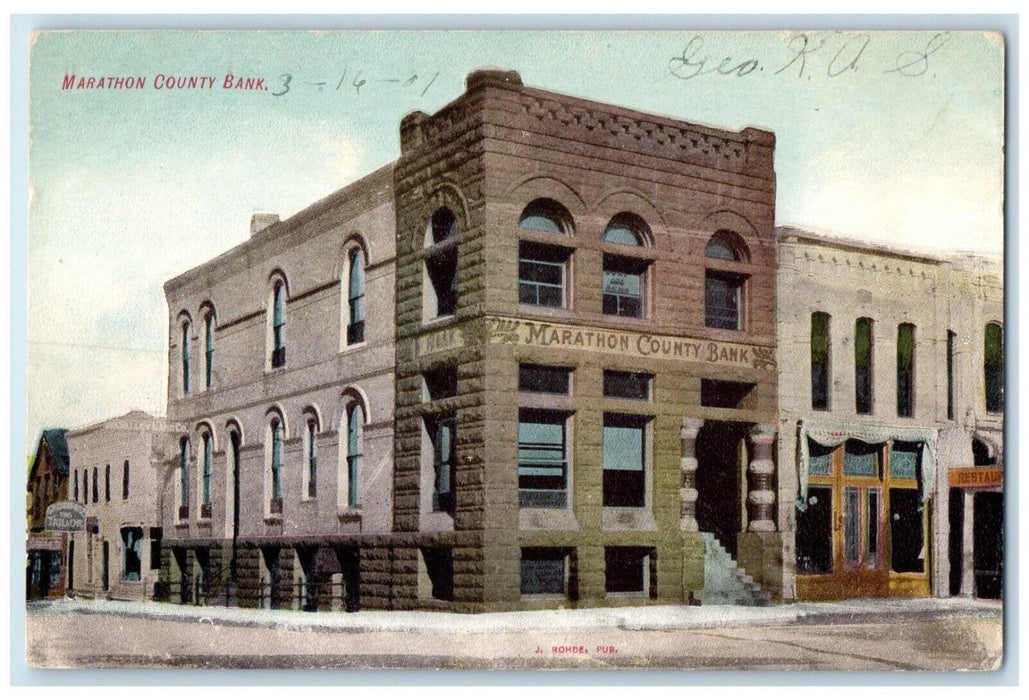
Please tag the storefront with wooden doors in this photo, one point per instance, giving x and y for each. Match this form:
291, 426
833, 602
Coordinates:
976, 520
862, 517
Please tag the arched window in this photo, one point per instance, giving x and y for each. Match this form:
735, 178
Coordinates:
205, 475
863, 361
183, 478
725, 281
278, 324
355, 298
993, 366
184, 343
441, 265
624, 280
232, 480
209, 348
355, 423
310, 485
275, 503
546, 215
821, 353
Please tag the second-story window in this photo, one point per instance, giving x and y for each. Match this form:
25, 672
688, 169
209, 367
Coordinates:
820, 356
76, 485
725, 280
96, 485
125, 481
624, 277
905, 370
278, 358
863, 358
440, 291
993, 366
951, 339
209, 349
355, 298
107, 483
442, 432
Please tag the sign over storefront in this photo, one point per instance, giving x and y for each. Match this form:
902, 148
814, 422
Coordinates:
512, 331
976, 477
65, 516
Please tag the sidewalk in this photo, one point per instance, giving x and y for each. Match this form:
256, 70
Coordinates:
647, 618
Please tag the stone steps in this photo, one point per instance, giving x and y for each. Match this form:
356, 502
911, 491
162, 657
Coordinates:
725, 583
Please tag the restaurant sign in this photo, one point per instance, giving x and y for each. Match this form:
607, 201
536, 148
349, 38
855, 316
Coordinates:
65, 516
976, 477
510, 331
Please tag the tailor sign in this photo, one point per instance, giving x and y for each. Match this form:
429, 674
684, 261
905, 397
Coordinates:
65, 516
512, 331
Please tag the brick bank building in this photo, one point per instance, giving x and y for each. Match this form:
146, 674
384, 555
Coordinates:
529, 364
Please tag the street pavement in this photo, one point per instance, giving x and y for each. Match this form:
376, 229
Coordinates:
857, 635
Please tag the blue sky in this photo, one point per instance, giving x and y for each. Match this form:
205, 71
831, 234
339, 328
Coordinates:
893, 138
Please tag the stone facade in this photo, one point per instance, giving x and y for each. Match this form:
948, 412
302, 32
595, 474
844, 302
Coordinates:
114, 471
665, 258
853, 399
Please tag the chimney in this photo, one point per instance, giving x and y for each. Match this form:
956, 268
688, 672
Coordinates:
261, 221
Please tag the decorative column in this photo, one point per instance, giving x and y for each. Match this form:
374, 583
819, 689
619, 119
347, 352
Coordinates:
688, 465
760, 496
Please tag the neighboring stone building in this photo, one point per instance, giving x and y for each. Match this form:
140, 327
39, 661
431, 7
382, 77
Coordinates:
47, 483
574, 305
114, 474
881, 394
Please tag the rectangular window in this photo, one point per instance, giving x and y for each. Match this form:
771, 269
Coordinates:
440, 383
125, 481
624, 458
717, 393
627, 570
541, 274
905, 370
861, 459
627, 385
872, 526
722, 296
131, 540
994, 368
542, 459
863, 365
904, 460
156, 535
543, 571
76, 485
623, 286
820, 362
819, 461
107, 483
442, 431
951, 337
852, 524
814, 531
544, 379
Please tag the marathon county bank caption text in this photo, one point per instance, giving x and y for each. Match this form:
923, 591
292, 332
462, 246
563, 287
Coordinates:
161, 81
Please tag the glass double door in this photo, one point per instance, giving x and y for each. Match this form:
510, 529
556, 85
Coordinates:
860, 528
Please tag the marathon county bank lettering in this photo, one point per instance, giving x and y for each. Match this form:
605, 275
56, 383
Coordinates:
509, 331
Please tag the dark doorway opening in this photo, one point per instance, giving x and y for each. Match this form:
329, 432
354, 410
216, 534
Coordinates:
955, 545
988, 544
720, 451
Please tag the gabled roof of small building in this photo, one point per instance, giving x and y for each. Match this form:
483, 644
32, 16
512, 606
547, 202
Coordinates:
56, 442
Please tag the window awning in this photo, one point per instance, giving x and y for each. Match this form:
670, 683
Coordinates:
839, 432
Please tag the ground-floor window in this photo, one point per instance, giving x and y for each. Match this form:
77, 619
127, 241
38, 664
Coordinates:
544, 571
628, 570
